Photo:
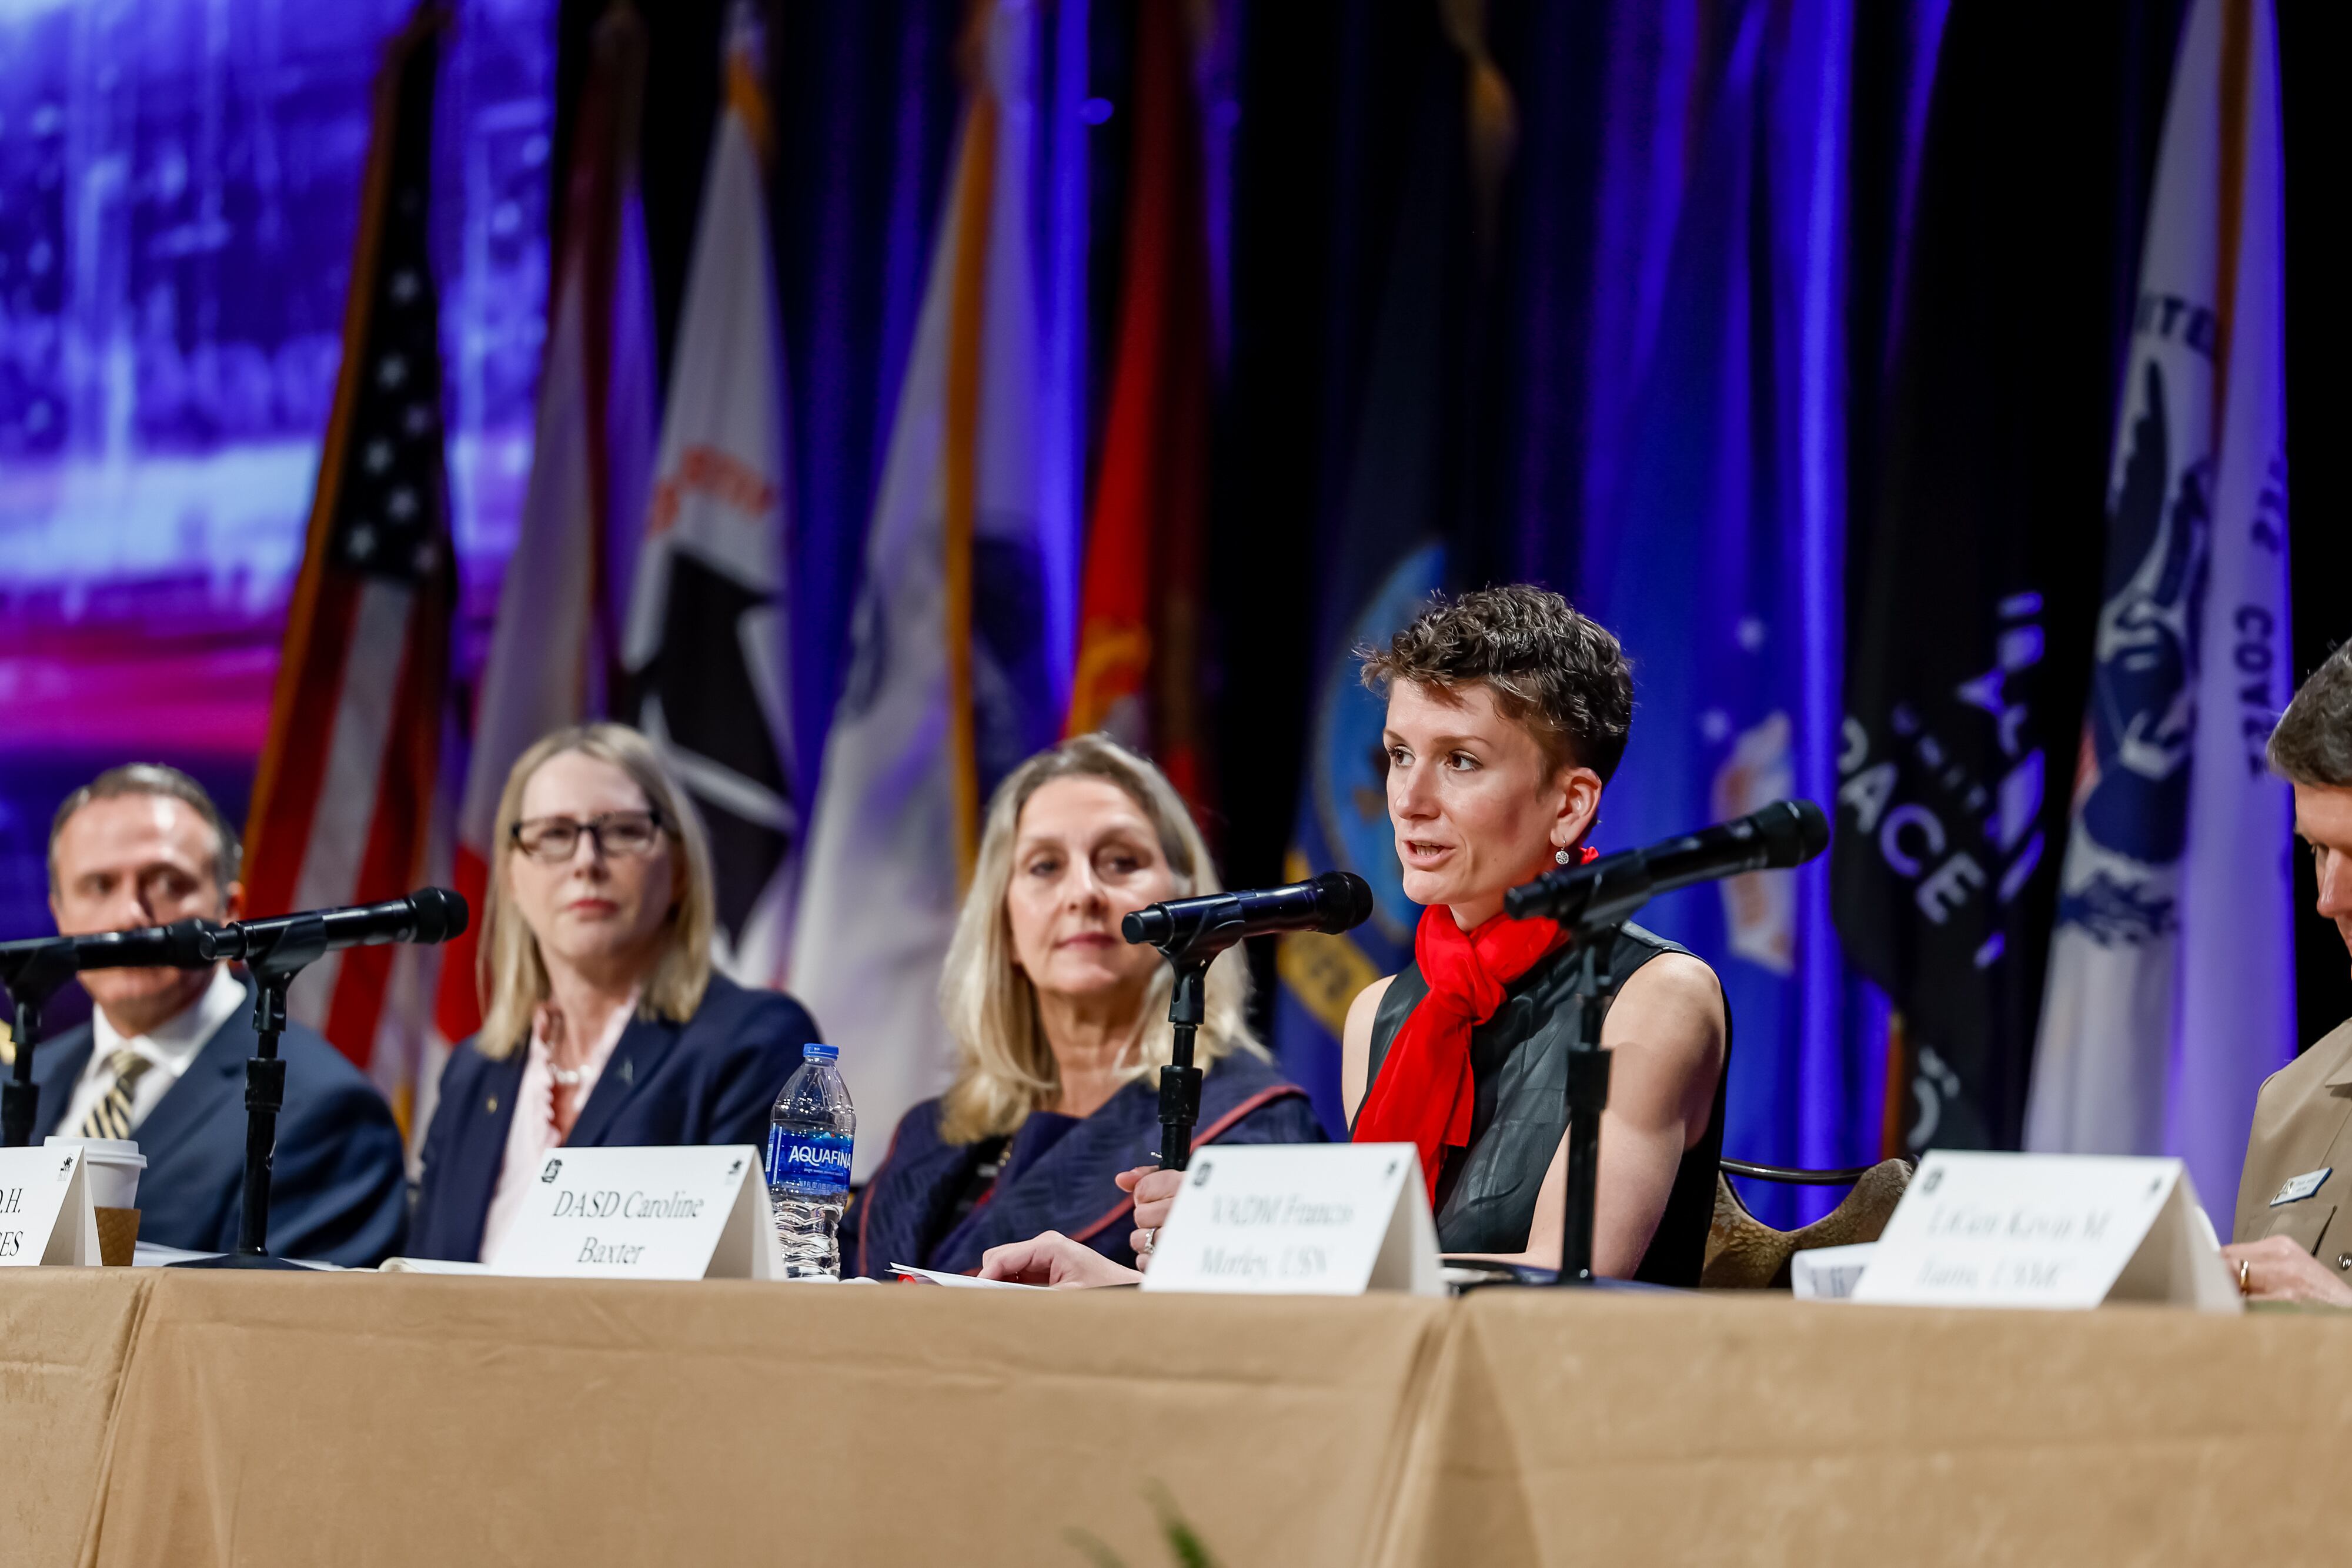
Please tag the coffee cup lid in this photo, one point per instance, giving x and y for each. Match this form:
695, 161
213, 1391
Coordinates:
121, 1151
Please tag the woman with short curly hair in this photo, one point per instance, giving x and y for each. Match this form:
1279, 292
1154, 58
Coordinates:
1507, 712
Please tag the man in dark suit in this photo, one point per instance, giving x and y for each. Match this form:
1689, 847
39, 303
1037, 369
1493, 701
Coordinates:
163, 1059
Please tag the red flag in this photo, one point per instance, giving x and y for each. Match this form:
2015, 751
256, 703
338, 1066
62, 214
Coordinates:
1138, 666
344, 799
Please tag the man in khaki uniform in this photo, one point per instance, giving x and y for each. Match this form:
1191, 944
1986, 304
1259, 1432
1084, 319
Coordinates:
2294, 1200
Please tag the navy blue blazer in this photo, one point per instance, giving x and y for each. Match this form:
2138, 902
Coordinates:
1055, 1175
338, 1187
711, 1080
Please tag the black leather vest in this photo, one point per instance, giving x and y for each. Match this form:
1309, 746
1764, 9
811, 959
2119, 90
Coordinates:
1519, 1065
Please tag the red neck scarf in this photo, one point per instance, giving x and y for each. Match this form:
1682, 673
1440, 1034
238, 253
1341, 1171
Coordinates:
1424, 1096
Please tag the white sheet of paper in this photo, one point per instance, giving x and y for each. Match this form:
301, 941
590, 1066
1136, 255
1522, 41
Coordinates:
1318, 1219
1829, 1273
689, 1213
1978, 1230
959, 1281
46, 1216
431, 1266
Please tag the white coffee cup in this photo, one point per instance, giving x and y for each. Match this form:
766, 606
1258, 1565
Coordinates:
113, 1164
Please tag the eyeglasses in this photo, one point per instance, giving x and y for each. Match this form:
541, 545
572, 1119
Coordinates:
618, 834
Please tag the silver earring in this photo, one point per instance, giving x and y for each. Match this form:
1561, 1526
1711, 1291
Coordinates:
1560, 855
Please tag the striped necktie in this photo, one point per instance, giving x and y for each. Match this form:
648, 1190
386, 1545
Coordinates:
110, 1117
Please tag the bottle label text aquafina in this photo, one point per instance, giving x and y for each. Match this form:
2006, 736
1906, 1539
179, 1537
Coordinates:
819, 1160
812, 1133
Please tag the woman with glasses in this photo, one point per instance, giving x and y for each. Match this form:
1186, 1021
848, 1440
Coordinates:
604, 1022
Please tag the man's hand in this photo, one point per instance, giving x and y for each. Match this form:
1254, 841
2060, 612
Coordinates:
1155, 1195
2276, 1269
1053, 1259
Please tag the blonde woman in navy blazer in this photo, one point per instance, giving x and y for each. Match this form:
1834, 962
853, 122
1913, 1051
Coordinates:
603, 1021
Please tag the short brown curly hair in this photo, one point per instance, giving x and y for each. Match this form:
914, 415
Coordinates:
2312, 742
1560, 673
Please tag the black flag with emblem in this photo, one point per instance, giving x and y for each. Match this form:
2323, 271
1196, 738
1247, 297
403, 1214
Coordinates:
1974, 550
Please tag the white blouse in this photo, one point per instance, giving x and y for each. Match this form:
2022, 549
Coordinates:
533, 1132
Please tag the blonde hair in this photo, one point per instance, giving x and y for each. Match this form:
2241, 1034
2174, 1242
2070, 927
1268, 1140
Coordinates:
1004, 1068
510, 976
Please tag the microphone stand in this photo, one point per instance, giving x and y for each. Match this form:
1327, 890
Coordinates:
1588, 1097
1180, 1081
1602, 903
33, 975
273, 959
1592, 903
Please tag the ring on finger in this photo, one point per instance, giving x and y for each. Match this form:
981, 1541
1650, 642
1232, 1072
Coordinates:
2245, 1275
1150, 1234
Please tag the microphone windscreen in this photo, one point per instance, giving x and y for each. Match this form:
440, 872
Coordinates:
185, 942
1794, 831
1345, 900
440, 914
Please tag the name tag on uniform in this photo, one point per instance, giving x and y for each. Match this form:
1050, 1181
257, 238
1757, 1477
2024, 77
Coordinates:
2297, 1189
691, 1213
1303, 1220
45, 1209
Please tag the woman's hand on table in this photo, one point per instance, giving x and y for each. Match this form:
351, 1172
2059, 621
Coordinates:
1155, 1194
1053, 1259
2276, 1269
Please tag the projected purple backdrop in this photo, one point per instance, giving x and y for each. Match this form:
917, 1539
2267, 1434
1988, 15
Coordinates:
179, 180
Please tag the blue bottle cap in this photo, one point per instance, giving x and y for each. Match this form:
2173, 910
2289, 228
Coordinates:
813, 1051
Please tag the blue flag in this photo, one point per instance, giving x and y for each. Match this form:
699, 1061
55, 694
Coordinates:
1717, 561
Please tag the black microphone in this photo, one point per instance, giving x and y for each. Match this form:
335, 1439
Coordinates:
1336, 901
1784, 834
428, 914
178, 946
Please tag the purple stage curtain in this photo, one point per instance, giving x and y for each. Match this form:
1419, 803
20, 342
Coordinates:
1692, 495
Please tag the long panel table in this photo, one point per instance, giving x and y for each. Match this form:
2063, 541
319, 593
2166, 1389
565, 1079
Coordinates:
210, 1419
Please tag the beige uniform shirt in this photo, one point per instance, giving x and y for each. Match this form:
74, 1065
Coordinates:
2299, 1154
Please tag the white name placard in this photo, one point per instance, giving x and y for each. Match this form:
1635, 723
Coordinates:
2048, 1230
45, 1209
1317, 1219
690, 1213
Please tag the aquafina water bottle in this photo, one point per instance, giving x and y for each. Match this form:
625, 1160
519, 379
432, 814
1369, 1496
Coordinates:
810, 1136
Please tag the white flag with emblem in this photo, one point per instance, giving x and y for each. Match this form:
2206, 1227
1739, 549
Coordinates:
950, 684
2171, 988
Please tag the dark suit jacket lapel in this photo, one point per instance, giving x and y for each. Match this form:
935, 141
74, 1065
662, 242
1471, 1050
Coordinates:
57, 1069
467, 1189
206, 1092
635, 1058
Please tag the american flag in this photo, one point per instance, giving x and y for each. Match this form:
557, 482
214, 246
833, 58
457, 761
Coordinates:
346, 791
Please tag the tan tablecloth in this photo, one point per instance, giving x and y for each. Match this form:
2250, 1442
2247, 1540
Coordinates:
205, 1419
1752, 1429
357, 1419
65, 1337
